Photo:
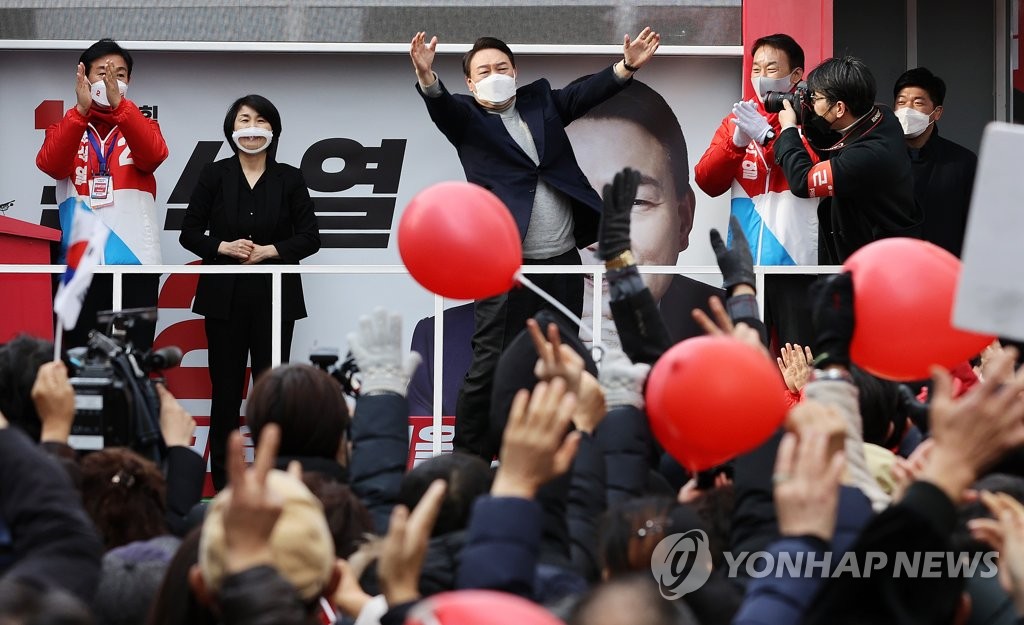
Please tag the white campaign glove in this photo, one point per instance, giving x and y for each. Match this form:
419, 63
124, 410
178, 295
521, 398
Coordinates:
622, 381
377, 346
750, 122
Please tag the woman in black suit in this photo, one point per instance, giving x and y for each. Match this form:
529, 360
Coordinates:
257, 211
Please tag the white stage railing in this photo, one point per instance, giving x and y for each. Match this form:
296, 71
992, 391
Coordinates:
276, 271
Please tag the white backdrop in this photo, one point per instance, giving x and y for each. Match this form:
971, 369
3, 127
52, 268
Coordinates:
361, 97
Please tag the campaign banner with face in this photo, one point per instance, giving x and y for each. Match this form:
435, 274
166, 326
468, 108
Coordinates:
356, 127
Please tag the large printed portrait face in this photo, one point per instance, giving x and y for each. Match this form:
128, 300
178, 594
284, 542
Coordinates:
606, 142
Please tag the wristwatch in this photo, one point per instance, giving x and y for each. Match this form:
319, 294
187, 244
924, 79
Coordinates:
836, 375
768, 137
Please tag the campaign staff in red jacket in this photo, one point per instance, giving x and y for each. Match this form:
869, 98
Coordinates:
104, 152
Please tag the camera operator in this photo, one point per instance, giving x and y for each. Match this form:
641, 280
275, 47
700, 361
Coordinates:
864, 177
36, 396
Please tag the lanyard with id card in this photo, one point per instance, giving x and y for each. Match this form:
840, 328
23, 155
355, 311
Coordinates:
101, 184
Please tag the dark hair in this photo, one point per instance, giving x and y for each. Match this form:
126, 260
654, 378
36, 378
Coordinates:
486, 43
175, 603
265, 109
923, 78
845, 79
23, 602
102, 48
646, 605
468, 477
645, 107
879, 406
783, 42
347, 517
623, 550
20, 359
307, 403
125, 495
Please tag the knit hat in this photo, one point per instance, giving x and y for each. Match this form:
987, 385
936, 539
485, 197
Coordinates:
131, 577
301, 543
515, 368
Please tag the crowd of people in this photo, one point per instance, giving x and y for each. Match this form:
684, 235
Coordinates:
559, 505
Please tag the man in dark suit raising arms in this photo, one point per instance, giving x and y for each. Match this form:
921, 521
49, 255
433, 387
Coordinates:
512, 141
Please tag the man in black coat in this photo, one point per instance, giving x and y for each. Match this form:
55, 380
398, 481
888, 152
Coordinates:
864, 176
511, 140
943, 170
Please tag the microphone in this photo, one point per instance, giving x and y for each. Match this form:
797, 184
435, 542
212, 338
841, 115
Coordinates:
163, 358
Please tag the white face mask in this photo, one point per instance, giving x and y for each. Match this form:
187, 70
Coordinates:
99, 91
252, 131
496, 88
914, 122
762, 85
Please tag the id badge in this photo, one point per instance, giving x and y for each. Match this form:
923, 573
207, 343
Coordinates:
101, 191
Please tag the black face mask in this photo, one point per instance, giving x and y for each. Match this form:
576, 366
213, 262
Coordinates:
819, 132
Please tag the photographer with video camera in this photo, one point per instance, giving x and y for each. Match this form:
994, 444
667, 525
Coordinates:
38, 397
865, 178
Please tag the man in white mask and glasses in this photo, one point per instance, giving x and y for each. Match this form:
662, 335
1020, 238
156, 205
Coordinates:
511, 140
943, 170
104, 152
782, 229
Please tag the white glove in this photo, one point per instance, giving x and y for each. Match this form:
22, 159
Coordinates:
622, 381
377, 347
748, 121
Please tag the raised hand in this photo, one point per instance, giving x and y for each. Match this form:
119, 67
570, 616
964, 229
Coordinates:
405, 546
750, 122
613, 230
54, 399
110, 82
640, 50
83, 90
555, 359
722, 325
422, 54
736, 262
796, 365
973, 431
176, 424
385, 364
806, 482
1006, 534
535, 448
254, 508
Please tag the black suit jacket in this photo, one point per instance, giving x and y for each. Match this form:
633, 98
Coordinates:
288, 223
492, 159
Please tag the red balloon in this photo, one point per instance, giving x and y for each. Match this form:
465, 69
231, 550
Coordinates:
459, 240
903, 296
478, 607
712, 398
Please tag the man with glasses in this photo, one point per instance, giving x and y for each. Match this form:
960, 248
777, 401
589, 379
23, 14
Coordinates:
864, 177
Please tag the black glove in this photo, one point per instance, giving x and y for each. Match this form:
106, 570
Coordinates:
832, 316
613, 231
736, 263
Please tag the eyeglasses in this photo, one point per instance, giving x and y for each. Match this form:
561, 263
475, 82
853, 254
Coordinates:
815, 98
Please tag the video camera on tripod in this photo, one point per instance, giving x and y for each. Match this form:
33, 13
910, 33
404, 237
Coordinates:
116, 402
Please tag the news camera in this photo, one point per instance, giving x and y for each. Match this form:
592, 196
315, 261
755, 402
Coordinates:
326, 358
116, 401
799, 99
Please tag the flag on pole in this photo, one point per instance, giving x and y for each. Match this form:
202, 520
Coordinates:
85, 252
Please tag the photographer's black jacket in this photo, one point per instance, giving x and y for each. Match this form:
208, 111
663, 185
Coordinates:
866, 184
